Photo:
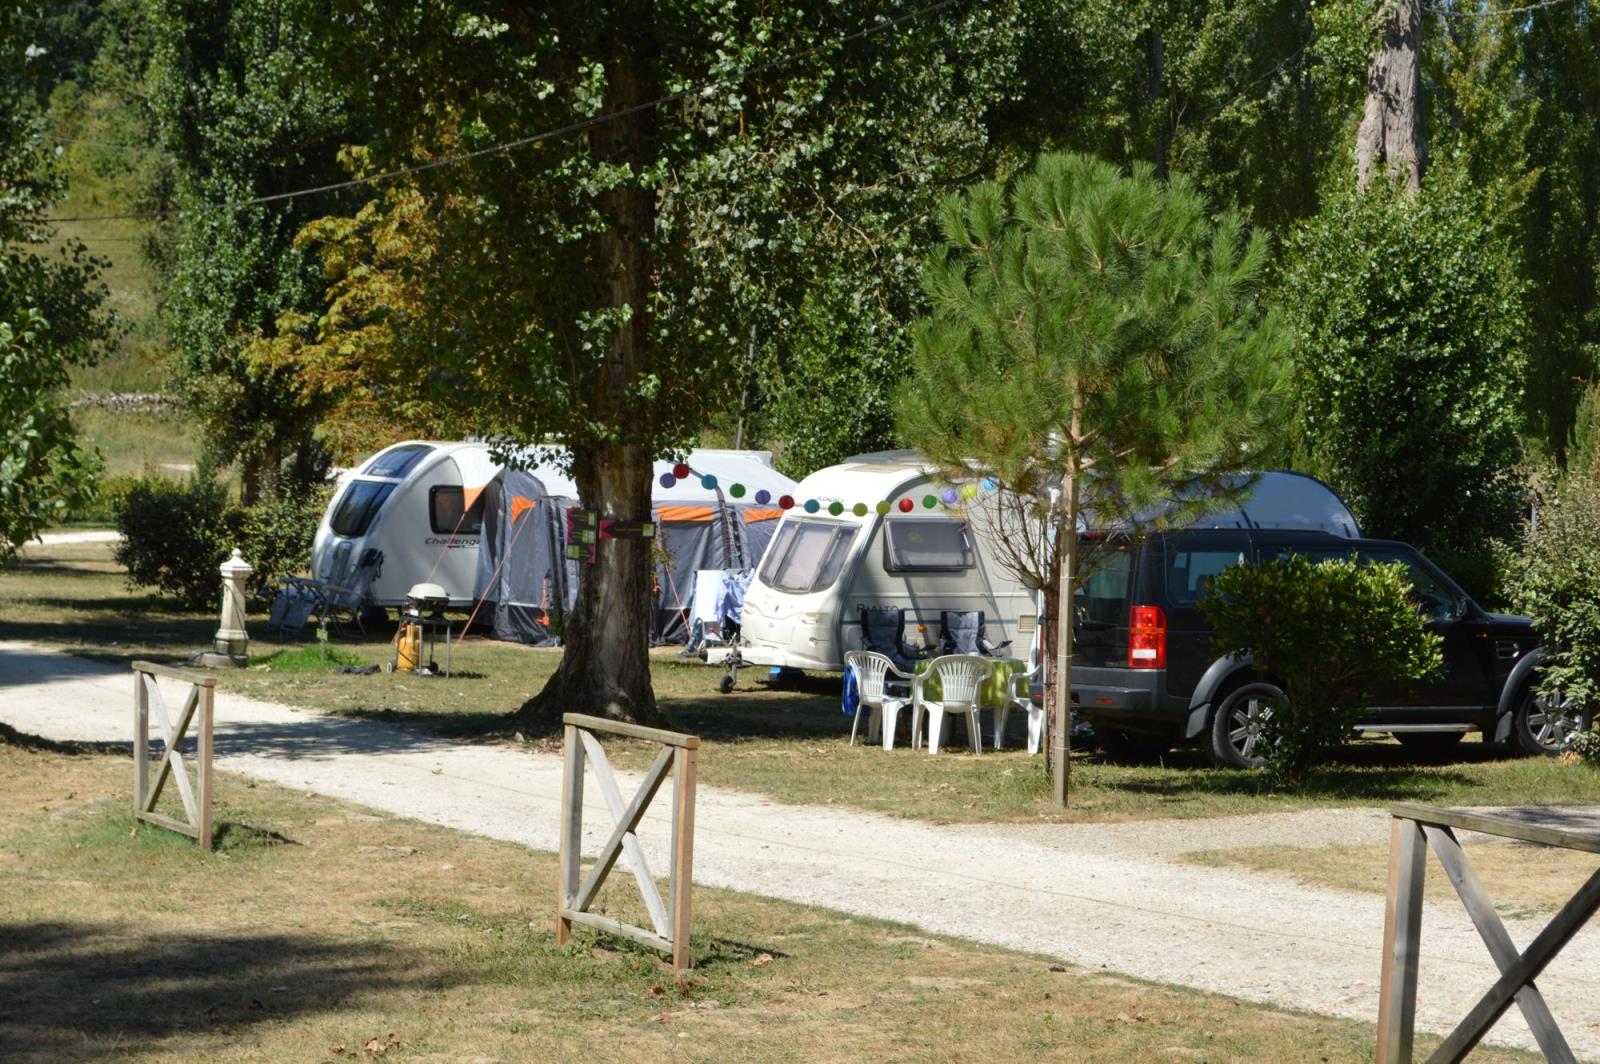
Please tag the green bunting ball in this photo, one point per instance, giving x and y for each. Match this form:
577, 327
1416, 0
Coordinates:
859, 509
836, 508
737, 491
930, 501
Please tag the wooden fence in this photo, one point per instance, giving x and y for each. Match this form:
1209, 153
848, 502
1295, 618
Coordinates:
1416, 828
196, 799
670, 920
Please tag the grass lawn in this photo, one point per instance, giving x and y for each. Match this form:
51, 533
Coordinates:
140, 444
791, 745
320, 931
1523, 879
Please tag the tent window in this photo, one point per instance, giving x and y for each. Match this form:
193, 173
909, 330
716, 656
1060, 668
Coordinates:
397, 461
361, 502
807, 556
926, 545
444, 511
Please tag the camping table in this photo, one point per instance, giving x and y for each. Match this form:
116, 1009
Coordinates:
996, 691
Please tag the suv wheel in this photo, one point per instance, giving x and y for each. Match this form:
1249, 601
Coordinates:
1119, 745
1238, 727
1546, 722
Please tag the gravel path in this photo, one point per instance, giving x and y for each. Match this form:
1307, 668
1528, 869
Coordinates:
1100, 895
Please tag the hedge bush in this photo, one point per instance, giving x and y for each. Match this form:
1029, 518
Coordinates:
175, 534
1330, 632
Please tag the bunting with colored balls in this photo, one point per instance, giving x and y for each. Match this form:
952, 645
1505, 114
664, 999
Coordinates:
953, 498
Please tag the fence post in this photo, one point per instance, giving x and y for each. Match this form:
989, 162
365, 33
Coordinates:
1402, 930
571, 830
141, 743
682, 856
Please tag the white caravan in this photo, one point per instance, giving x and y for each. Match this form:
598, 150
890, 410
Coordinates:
802, 609
410, 514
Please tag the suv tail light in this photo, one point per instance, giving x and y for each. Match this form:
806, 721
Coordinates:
1147, 638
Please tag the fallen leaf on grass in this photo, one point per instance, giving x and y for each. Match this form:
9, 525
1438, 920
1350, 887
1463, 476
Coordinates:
336, 1049
761, 961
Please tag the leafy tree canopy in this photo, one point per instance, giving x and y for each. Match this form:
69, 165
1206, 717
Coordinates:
50, 311
1411, 358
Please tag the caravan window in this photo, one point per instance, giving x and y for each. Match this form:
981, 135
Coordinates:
922, 545
807, 556
396, 462
360, 504
444, 511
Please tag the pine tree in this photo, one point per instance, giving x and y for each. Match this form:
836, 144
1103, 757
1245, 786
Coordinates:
1095, 339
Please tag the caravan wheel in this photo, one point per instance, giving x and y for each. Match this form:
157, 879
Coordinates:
725, 685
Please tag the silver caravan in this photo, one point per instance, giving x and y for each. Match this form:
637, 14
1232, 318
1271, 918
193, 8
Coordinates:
802, 608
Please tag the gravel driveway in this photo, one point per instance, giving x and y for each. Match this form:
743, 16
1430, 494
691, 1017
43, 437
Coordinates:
1106, 896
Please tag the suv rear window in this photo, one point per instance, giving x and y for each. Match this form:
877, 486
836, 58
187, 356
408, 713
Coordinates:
1104, 595
1192, 562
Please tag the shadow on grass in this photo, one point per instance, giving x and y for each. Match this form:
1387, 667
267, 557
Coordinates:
76, 991
1363, 771
10, 736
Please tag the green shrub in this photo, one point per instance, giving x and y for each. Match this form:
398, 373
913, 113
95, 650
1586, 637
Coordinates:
1586, 744
1330, 632
1552, 574
176, 534
107, 500
277, 535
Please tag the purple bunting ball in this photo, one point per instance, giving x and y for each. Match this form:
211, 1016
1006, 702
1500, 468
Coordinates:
763, 497
950, 496
668, 480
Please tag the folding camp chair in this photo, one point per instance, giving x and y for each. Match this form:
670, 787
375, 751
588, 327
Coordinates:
962, 632
883, 631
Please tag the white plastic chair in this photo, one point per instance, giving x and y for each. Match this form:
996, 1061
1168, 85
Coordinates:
1025, 702
872, 681
961, 679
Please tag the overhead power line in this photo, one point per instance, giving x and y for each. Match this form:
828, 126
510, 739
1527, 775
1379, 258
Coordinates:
1445, 12
522, 142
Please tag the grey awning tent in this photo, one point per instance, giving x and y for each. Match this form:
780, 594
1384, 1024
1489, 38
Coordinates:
526, 582
524, 577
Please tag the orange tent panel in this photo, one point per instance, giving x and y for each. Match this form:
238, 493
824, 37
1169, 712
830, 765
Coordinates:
752, 515
683, 513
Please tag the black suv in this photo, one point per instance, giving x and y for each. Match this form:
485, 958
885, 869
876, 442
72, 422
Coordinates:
1145, 674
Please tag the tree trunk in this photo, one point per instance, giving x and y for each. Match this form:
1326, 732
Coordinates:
1067, 551
605, 663
605, 666
1390, 139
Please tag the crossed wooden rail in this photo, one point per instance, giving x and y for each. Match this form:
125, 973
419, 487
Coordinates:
1416, 825
671, 920
196, 799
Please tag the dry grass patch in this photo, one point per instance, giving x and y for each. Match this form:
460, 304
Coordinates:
1523, 879
323, 932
